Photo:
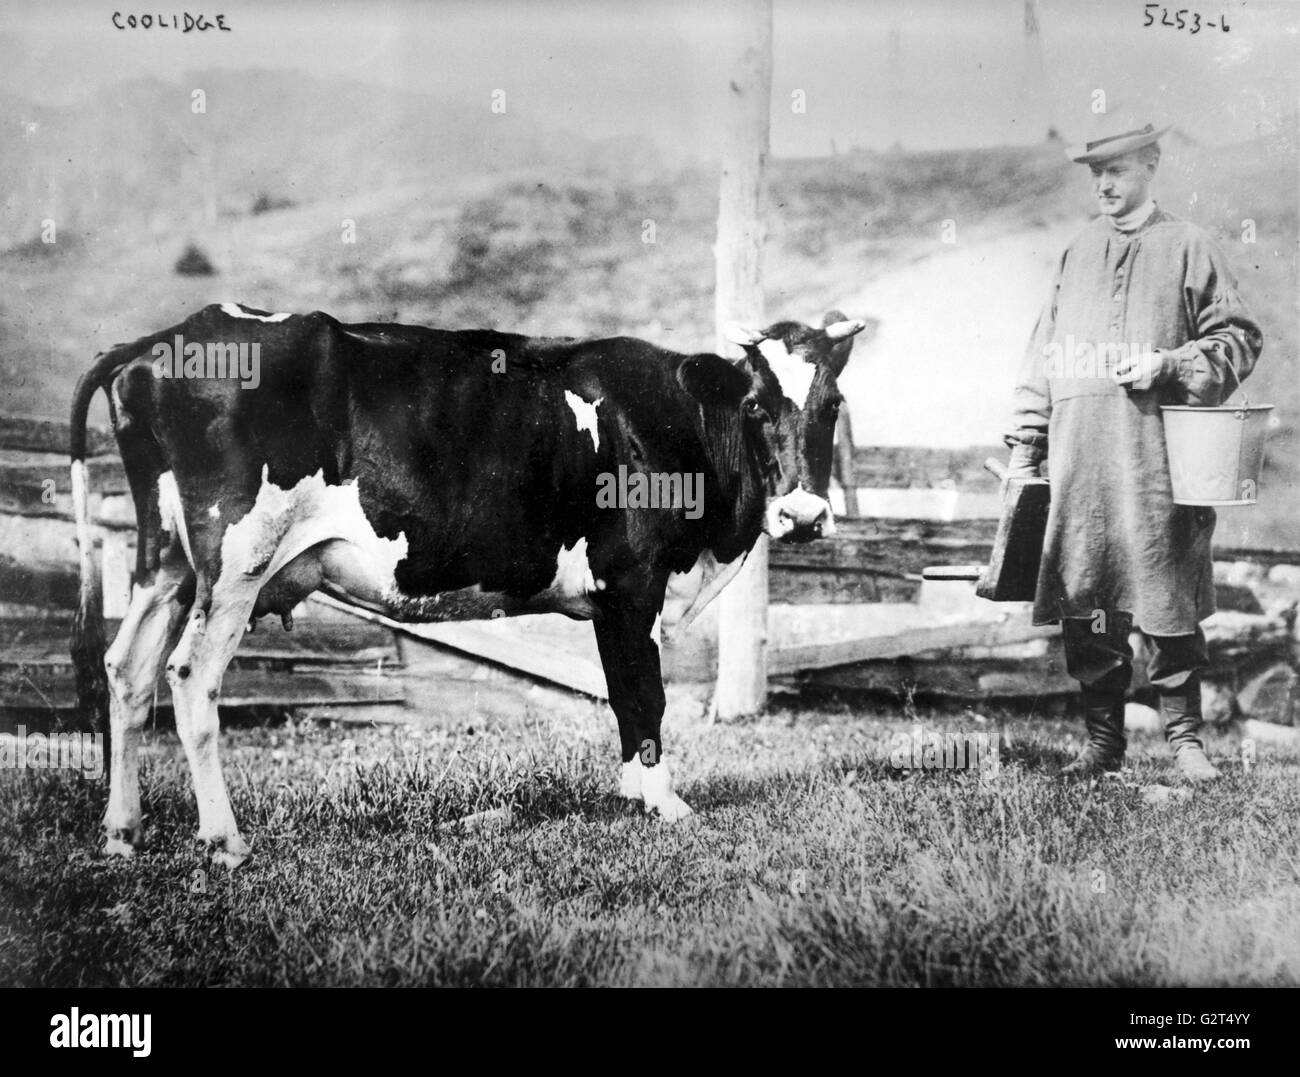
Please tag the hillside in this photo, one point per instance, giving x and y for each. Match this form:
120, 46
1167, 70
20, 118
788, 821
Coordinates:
456, 227
139, 155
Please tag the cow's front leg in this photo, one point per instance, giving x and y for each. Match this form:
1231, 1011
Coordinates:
629, 651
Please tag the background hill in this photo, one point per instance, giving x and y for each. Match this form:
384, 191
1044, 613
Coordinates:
467, 219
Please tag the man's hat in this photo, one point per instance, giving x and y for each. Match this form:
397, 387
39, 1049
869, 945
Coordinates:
1114, 133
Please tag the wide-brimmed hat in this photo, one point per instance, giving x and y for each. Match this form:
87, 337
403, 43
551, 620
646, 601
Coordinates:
1112, 134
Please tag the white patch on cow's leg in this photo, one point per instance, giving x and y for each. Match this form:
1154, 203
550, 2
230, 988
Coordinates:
657, 792
194, 672
172, 513
656, 630
629, 781
133, 663
235, 310
584, 415
281, 526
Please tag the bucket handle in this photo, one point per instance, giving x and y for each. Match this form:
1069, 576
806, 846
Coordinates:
1245, 400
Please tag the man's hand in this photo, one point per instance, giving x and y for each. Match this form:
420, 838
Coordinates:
1024, 462
1140, 371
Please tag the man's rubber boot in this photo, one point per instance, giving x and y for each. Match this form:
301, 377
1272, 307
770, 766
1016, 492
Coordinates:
1103, 714
1181, 710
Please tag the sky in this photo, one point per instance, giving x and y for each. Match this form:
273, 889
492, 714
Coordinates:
925, 74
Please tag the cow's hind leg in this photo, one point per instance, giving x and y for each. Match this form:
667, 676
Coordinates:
133, 663
630, 654
194, 671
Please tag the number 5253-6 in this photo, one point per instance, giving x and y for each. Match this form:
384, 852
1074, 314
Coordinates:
1184, 19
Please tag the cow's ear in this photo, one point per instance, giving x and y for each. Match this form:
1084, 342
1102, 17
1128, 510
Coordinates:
713, 380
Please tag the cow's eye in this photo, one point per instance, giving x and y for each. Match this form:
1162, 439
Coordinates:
754, 409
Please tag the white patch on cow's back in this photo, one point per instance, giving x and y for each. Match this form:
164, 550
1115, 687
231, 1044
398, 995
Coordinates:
172, 513
584, 415
237, 311
794, 375
572, 571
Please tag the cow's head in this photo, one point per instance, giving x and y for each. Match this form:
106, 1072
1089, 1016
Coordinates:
786, 392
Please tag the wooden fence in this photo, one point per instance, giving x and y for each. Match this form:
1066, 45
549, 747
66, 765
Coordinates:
847, 611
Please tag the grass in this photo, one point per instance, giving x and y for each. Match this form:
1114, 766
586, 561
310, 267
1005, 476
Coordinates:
812, 861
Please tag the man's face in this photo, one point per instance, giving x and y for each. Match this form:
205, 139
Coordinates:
1120, 183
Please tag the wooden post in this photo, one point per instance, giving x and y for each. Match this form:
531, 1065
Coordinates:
896, 103
844, 469
742, 612
1037, 69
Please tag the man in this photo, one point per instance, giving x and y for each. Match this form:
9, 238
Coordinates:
1144, 311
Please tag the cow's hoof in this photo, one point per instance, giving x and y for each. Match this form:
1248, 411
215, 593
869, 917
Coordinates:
229, 853
229, 861
629, 782
672, 810
121, 842
657, 792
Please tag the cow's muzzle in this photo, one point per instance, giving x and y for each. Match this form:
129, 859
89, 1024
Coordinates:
799, 517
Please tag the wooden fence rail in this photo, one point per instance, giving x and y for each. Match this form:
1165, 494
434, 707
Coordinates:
877, 560
869, 560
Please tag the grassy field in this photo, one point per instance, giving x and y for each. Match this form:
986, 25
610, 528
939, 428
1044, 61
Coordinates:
812, 861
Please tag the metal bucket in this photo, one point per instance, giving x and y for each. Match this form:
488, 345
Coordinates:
1215, 454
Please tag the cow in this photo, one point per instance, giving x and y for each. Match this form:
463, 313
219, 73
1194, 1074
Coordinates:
429, 475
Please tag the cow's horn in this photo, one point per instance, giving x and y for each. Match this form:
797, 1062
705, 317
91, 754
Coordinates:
840, 330
742, 334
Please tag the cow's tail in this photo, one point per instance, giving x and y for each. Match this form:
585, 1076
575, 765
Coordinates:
88, 642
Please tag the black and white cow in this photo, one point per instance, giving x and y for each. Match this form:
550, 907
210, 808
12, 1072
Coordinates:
428, 475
